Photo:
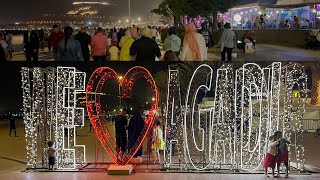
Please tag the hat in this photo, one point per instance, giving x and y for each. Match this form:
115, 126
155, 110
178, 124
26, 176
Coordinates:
227, 25
145, 32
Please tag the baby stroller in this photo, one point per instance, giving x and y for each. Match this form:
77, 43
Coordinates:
312, 41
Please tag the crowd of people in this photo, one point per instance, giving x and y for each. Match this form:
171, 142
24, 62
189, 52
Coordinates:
124, 44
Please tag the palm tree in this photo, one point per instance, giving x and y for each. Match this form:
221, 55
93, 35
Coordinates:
315, 90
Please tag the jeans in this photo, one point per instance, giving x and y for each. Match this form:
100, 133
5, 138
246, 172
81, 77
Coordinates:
229, 54
99, 58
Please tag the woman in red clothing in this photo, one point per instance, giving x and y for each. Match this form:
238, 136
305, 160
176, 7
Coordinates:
271, 159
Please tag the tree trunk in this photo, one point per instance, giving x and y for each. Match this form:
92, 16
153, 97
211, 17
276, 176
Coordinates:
315, 90
215, 21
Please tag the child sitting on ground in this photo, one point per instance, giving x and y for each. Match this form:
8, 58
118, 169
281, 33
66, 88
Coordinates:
270, 160
52, 155
114, 51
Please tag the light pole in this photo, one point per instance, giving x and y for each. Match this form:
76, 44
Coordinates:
129, 4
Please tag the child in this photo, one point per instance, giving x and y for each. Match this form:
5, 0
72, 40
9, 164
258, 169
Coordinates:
157, 141
114, 51
282, 156
52, 155
270, 160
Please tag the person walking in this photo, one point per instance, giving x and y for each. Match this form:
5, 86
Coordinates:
145, 49
31, 44
69, 49
8, 39
55, 37
99, 46
194, 45
227, 42
121, 125
206, 35
136, 125
13, 126
85, 40
157, 141
4, 46
172, 42
125, 44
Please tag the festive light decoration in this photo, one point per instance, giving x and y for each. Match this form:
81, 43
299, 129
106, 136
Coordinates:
174, 119
94, 108
233, 133
50, 113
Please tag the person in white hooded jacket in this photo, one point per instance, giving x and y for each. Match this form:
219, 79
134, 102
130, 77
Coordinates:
172, 42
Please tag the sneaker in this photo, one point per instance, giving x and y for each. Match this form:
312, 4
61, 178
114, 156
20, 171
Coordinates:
286, 176
267, 176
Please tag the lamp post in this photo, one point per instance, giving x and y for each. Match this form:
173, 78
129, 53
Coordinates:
129, 4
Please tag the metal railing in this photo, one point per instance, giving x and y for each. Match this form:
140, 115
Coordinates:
311, 124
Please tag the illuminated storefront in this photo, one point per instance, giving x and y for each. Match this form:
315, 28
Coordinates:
275, 13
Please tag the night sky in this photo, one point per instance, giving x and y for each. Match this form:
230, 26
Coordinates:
17, 10
11, 93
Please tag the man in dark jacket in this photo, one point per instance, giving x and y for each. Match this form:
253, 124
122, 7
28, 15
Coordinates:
84, 40
121, 125
13, 126
31, 44
136, 125
145, 49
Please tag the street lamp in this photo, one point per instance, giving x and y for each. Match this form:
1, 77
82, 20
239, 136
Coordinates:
129, 5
